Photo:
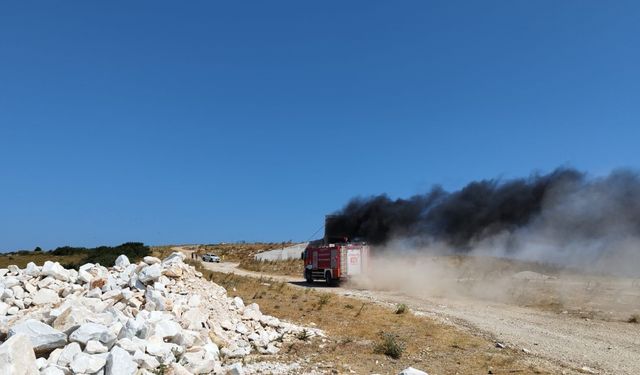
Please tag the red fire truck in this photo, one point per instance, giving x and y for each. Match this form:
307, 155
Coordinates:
334, 262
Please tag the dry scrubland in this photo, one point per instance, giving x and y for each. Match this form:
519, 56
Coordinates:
21, 260
365, 337
536, 285
526, 284
239, 252
289, 267
73, 257
566, 320
244, 255
232, 252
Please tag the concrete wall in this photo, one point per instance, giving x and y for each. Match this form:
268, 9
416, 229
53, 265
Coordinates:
291, 252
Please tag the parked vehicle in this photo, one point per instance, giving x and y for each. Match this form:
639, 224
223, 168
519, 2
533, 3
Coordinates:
211, 258
334, 262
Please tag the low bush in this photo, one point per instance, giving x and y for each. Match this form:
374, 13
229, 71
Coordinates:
303, 335
390, 346
401, 308
105, 255
68, 250
323, 300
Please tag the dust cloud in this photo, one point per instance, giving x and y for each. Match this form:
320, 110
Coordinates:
444, 276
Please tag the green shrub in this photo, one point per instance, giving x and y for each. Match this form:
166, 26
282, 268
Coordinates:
69, 250
401, 308
303, 335
389, 346
105, 255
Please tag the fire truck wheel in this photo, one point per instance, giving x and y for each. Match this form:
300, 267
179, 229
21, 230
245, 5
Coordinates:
328, 279
307, 276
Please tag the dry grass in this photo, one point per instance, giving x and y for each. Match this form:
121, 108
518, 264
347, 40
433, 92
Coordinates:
290, 267
356, 330
244, 254
21, 260
161, 251
239, 251
635, 318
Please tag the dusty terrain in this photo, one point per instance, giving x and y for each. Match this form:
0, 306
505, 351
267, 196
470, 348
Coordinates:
573, 324
356, 330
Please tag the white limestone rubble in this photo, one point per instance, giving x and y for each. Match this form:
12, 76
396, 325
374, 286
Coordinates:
43, 337
129, 319
17, 356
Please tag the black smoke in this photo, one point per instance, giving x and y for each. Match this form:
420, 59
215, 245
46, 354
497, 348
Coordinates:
565, 205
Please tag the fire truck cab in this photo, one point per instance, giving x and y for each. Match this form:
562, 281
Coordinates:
334, 262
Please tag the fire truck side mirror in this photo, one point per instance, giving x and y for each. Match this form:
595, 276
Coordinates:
302, 255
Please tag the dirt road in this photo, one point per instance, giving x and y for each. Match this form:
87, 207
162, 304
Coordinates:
582, 345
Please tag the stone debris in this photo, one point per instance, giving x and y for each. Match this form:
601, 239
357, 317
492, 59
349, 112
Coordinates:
156, 315
272, 368
17, 356
42, 336
412, 371
587, 370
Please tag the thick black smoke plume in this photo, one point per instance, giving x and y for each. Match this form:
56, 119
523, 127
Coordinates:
554, 209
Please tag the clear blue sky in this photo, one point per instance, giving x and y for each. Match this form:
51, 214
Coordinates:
205, 121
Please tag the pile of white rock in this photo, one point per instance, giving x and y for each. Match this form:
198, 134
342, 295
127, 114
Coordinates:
154, 316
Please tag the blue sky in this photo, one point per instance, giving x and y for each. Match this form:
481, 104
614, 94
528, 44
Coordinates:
199, 121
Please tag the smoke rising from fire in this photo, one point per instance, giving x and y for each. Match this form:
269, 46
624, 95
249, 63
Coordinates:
563, 217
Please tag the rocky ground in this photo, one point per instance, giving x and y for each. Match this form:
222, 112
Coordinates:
154, 317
